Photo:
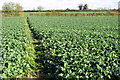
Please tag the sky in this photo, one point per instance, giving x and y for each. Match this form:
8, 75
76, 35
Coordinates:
63, 4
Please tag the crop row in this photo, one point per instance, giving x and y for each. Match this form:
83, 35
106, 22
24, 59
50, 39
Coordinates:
77, 47
16, 49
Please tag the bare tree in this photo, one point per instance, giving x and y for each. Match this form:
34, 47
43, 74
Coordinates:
40, 8
33, 9
18, 7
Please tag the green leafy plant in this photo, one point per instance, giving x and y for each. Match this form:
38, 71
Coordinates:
16, 48
77, 47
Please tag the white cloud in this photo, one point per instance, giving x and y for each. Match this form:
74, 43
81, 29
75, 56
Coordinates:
63, 4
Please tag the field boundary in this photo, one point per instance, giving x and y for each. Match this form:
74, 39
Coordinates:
75, 14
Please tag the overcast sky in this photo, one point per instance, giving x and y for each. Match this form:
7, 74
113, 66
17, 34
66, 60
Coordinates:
63, 4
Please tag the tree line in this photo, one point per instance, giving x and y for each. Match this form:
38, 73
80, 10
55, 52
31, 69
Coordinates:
15, 9
80, 6
12, 7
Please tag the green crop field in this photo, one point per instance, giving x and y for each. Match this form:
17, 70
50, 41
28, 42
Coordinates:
77, 47
59, 47
16, 50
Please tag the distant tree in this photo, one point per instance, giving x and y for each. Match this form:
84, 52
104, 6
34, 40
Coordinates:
100, 8
11, 9
67, 9
40, 8
104, 8
80, 6
85, 7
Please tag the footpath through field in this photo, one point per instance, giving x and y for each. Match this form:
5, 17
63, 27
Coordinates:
38, 72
